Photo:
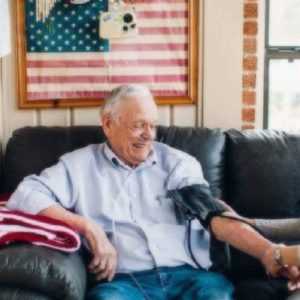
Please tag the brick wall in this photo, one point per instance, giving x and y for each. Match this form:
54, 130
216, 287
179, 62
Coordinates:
250, 30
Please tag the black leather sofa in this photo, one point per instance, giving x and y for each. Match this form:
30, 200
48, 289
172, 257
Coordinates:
257, 172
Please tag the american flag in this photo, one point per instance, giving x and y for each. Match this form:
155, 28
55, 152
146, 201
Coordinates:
66, 58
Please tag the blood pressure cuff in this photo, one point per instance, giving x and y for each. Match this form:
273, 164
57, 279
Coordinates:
197, 201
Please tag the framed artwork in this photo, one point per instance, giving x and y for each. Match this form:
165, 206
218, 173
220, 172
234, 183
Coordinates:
63, 62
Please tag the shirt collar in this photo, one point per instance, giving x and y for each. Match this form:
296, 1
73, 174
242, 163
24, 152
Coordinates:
116, 161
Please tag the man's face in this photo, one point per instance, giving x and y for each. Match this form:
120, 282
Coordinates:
132, 131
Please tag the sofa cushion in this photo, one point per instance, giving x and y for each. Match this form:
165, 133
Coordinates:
207, 145
263, 181
31, 149
44, 271
263, 173
15, 293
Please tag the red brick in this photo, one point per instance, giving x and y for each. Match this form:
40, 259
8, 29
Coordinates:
250, 10
249, 80
250, 63
250, 28
249, 97
247, 126
248, 114
250, 45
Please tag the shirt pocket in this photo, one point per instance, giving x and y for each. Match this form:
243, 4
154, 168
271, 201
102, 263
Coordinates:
164, 210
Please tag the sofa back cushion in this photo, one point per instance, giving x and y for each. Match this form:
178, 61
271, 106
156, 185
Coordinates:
31, 149
263, 173
263, 181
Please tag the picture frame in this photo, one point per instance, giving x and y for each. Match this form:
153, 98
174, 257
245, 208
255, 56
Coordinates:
190, 96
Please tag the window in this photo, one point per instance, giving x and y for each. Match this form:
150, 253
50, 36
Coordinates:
282, 90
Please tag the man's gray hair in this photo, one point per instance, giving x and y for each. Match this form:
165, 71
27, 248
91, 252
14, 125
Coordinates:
122, 92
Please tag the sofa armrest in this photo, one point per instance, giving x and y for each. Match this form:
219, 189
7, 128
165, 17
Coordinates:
43, 270
280, 230
12, 293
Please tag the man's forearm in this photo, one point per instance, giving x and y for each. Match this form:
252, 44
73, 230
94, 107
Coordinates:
77, 222
240, 236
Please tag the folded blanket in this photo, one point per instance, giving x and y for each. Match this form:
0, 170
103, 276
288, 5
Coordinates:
16, 226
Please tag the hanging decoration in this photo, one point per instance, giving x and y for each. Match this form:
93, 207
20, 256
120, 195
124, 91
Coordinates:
44, 7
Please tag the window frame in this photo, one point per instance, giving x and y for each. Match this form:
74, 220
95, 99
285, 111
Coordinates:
272, 53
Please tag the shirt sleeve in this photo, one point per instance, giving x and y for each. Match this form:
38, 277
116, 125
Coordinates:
35, 193
187, 171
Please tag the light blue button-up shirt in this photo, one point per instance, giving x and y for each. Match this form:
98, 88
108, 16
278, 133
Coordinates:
130, 204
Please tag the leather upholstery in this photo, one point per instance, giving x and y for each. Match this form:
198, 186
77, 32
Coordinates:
263, 170
43, 270
15, 293
32, 149
44, 145
262, 177
258, 173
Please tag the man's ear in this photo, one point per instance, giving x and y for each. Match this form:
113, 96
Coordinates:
106, 123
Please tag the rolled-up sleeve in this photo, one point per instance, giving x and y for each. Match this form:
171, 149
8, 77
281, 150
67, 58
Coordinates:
54, 186
188, 171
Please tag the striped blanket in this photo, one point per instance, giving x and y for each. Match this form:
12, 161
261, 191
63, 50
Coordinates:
39, 230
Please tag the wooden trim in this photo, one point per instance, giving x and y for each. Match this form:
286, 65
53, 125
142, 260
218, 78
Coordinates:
193, 67
21, 53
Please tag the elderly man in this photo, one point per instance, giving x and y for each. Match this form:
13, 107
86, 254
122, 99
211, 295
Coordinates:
114, 194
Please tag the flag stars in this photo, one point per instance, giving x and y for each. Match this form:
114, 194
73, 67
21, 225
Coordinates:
68, 28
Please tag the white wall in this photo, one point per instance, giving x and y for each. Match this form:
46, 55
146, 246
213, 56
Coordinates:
221, 35
223, 50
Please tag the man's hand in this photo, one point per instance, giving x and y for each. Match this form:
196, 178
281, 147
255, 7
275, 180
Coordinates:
293, 274
104, 261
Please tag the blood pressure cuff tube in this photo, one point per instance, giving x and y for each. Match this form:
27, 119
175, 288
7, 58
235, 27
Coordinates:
197, 201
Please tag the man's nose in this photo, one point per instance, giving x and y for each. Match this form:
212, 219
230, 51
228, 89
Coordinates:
149, 132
